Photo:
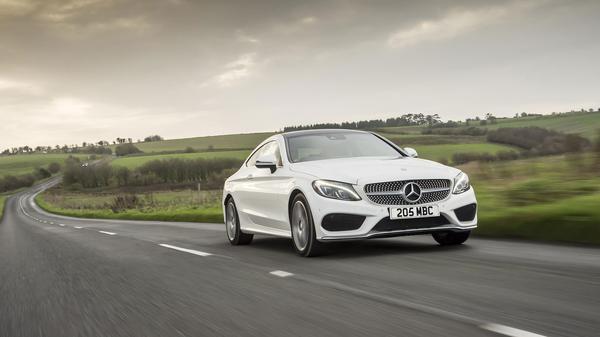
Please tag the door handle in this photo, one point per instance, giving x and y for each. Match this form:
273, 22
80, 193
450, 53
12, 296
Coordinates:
250, 176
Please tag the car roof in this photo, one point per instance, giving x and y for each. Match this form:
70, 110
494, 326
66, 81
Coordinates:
319, 131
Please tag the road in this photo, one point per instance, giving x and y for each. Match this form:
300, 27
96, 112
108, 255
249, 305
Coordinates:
62, 276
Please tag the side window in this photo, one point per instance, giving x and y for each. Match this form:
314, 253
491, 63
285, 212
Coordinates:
252, 160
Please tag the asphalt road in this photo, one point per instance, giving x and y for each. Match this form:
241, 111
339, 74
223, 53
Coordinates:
73, 277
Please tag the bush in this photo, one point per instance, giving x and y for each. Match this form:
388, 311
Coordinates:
9, 183
124, 202
54, 167
42, 173
125, 149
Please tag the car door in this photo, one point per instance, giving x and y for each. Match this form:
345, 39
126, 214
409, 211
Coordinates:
265, 192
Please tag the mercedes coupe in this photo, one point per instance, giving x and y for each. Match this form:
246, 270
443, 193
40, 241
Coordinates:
317, 186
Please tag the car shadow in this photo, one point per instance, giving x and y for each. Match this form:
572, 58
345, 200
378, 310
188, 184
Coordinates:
360, 248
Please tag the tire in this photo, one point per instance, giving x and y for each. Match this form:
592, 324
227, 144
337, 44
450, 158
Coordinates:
232, 226
302, 226
451, 238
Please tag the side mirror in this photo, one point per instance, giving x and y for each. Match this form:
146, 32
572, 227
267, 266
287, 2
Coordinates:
267, 161
411, 152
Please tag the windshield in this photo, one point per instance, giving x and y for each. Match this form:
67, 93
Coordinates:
331, 145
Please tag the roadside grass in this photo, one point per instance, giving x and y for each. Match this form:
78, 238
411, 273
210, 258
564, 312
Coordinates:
26, 163
184, 205
2, 203
548, 198
235, 141
135, 161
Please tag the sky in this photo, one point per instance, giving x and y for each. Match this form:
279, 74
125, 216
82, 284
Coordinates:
90, 70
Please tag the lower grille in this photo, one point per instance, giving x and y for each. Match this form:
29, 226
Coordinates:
342, 222
466, 213
392, 192
388, 225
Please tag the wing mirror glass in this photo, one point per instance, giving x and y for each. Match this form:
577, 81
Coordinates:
411, 152
267, 161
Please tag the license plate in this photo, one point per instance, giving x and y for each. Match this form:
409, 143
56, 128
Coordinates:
410, 212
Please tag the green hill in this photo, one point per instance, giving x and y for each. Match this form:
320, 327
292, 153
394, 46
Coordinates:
26, 163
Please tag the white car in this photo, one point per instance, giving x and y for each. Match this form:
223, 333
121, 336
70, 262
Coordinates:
318, 186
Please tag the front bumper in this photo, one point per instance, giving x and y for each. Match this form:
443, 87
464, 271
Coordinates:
374, 213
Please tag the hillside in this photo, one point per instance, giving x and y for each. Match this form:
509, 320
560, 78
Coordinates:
25, 163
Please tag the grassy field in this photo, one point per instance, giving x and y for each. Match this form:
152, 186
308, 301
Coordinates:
135, 161
433, 152
2, 202
26, 163
236, 141
439, 152
548, 198
584, 124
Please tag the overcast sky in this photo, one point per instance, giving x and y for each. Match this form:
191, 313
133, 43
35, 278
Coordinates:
86, 70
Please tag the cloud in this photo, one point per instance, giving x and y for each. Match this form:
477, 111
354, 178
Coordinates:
455, 23
243, 37
19, 86
309, 20
235, 71
15, 7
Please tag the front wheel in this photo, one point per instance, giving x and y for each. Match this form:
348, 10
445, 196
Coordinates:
303, 228
451, 238
232, 226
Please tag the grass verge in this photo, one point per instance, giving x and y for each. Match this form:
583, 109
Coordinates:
2, 203
575, 220
206, 214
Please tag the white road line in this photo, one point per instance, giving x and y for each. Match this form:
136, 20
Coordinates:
508, 331
281, 273
61, 225
78, 227
107, 233
191, 251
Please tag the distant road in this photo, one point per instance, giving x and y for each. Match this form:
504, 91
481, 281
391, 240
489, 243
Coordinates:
74, 277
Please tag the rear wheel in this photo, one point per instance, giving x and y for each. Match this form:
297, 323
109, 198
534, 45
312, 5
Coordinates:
451, 238
232, 226
303, 229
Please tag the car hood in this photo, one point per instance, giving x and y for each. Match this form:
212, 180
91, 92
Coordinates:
362, 171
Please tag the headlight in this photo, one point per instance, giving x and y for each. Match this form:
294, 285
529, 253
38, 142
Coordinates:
461, 183
335, 190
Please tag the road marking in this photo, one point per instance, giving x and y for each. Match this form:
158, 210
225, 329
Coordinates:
191, 251
281, 273
107, 233
52, 223
61, 225
508, 331
78, 227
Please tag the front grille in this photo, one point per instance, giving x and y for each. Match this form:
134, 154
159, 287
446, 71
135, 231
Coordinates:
388, 225
390, 193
